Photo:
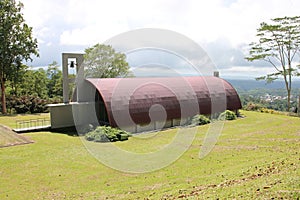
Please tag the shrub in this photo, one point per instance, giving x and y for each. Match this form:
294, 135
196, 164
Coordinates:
199, 120
227, 115
29, 104
252, 107
96, 136
107, 134
271, 111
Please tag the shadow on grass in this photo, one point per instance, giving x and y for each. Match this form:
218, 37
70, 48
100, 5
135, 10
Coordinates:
71, 131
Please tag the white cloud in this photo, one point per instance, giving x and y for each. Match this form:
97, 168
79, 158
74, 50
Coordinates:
211, 20
90, 35
77, 22
201, 20
246, 71
38, 13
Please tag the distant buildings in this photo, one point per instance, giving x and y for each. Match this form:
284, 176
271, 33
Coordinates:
271, 98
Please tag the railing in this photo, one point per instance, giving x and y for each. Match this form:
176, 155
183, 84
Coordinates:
40, 122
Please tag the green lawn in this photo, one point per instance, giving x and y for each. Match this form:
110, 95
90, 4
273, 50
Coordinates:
256, 157
11, 120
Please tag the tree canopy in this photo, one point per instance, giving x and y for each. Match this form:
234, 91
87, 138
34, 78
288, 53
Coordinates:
17, 43
33, 89
278, 44
54, 85
102, 61
44, 83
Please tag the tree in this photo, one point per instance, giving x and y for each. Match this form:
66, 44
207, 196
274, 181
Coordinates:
16, 42
278, 45
102, 61
55, 80
16, 78
35, 83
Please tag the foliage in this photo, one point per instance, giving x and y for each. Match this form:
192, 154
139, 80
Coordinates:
276, 112
16, 42
102, 61
227, 115
35, 83
199, 120
15, 83
107, 134
40, 82
34, 90
29, 104
275, 99
278, 45
252, 106
266, 110
55, 81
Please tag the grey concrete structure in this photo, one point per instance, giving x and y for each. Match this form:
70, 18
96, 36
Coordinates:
65, 68
62, 114
72, 114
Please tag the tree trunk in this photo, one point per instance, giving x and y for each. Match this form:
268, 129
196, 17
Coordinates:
288, 89
289, 100
3, 98
298, 110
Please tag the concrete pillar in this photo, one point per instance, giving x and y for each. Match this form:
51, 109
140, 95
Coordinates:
65, 78
65, 69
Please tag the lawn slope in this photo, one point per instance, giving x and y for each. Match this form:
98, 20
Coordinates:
256, 157
10, 138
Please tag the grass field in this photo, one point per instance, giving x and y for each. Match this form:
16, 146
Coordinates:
256, 157
11, 120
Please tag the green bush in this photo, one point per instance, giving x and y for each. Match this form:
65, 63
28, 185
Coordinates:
227, 115
107, 134
271, 111
199, 120
96, 136
29, 104
252, 106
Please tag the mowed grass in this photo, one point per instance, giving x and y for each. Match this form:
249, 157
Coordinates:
256, 157
11, 120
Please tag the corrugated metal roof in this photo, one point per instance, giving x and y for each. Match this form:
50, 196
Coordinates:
129, 100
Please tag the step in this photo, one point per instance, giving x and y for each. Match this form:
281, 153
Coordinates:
32, 129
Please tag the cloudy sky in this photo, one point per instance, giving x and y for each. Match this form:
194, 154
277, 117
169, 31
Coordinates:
223, 28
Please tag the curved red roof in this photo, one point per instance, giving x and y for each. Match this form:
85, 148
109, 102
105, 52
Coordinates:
136, 100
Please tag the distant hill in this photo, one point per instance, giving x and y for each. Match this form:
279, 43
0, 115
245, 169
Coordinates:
253, 84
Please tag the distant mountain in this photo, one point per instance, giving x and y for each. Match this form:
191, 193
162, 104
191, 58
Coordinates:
253, 84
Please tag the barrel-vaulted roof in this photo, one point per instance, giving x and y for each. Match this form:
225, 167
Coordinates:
137, 100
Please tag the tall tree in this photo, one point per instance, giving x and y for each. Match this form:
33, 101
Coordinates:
278, 44
55, 80
35, 83
102, 61
16, 77
17, 43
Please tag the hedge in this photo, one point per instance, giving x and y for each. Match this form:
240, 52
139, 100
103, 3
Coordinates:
29, 104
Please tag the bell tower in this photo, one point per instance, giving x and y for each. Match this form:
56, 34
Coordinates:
78, 57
